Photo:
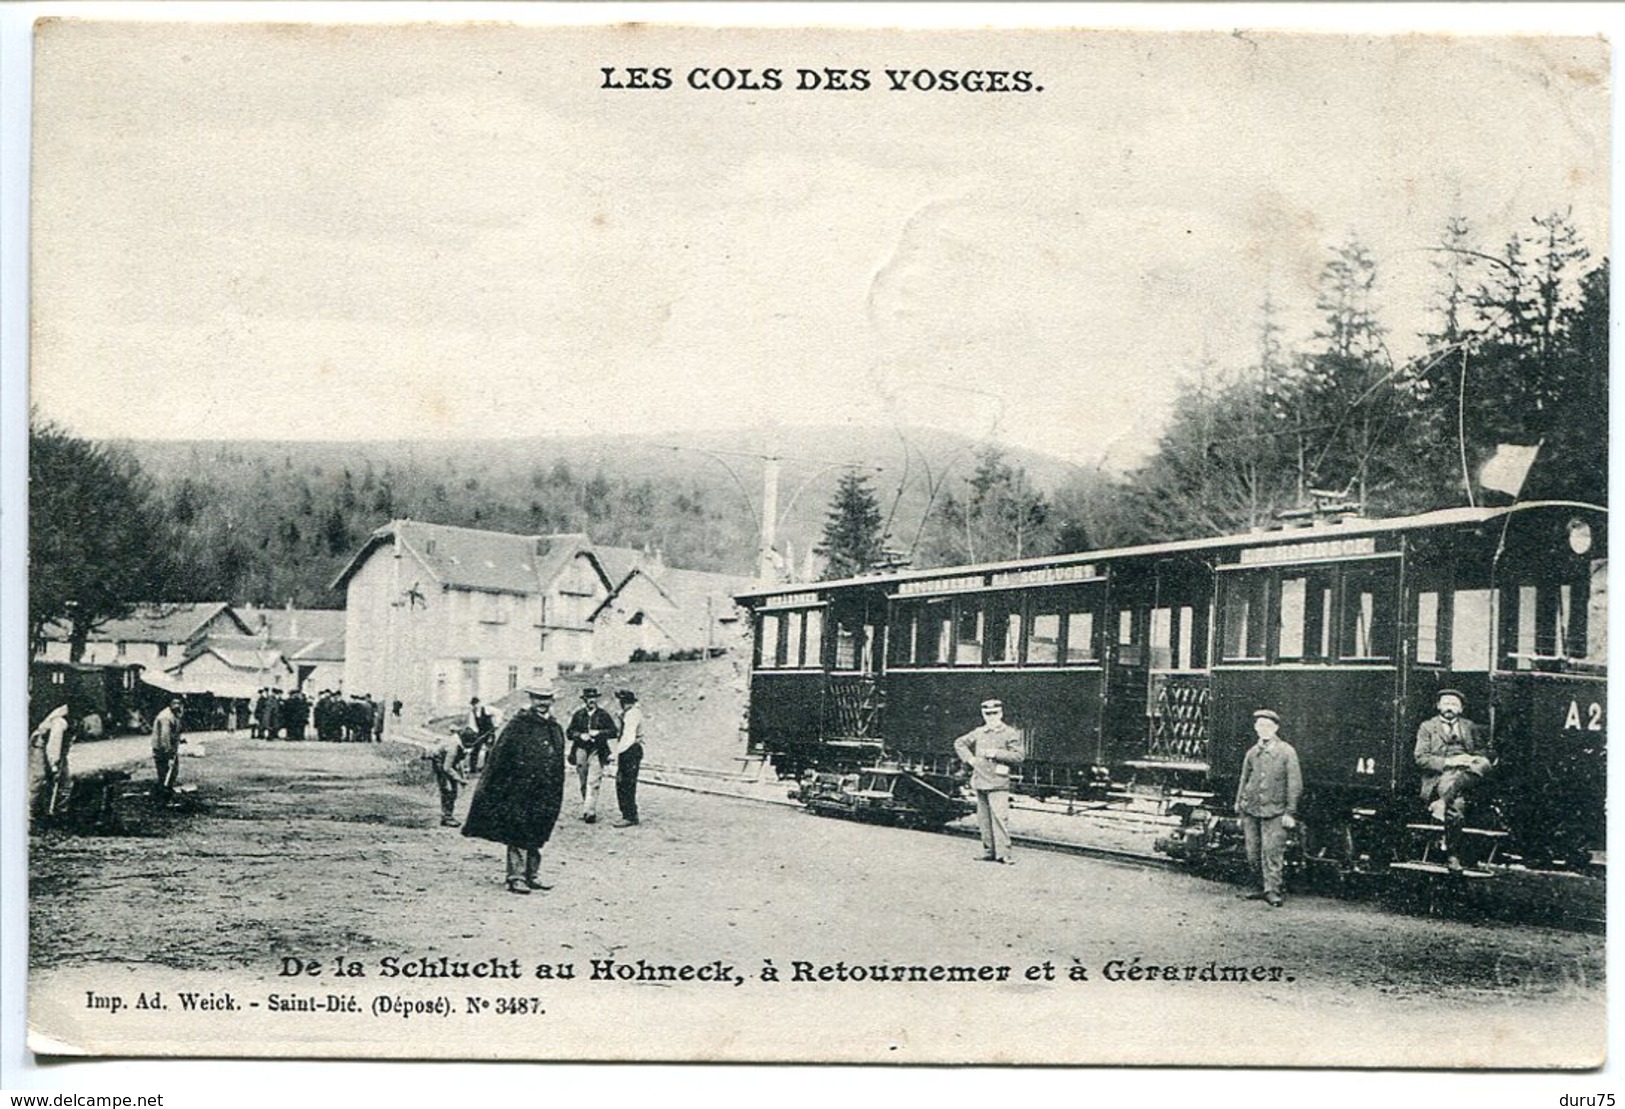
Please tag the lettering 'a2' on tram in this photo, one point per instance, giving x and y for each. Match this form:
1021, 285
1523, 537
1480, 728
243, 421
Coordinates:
1144, 664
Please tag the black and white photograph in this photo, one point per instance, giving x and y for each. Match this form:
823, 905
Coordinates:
641, 542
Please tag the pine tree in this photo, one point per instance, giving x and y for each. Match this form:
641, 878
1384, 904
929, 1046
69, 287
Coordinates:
853, 543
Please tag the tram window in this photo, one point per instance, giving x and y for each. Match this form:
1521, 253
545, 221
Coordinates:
1162, 638
790, 655
768, 639
1470, 629
1245, 596
935, 634
851, 643
1304, 619
813, 653
1367, 628
1524, 649
1187, 639
1294, 596
1003, 630
1044, 639
1596, 634
1080, 637
968, 634
1548, 624
901, 643
1427, 627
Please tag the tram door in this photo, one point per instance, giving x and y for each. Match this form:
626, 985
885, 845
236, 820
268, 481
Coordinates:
1179, 682
852, 697
1126, 723
1157, 702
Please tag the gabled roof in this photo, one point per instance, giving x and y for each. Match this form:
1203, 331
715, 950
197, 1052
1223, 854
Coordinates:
234, 648
321, 650
294, 623
246, 654
307, 634
468, 558
685, 602
618, 563
158, 623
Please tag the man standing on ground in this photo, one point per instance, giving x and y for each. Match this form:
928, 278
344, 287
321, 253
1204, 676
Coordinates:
628, 757
480, 723
1267, 804
591, 732
991, 751
166, 741
518, 799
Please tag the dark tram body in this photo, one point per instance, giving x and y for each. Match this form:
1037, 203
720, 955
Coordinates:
116, 693
1144, 665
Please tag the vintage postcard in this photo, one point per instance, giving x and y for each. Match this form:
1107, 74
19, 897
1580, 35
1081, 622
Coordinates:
675, 543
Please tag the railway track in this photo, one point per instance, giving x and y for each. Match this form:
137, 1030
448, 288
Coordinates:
1570, 902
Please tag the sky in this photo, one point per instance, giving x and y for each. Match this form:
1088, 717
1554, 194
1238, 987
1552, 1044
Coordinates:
455, 232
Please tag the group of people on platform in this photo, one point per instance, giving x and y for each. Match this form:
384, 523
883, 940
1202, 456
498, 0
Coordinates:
279, 715
1453, 754
520, 792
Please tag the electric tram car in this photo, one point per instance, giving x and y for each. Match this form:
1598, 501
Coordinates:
1143, 665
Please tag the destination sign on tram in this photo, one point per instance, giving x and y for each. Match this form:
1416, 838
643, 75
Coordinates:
1046, 575
1350, 547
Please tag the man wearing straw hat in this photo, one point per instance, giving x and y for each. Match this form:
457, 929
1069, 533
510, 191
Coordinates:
518, 798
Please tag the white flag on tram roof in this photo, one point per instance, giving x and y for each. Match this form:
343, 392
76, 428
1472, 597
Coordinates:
1507, 468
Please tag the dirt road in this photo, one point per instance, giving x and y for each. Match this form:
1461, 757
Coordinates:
329, 852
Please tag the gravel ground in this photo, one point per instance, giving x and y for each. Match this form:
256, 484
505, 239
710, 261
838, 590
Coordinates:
320, 850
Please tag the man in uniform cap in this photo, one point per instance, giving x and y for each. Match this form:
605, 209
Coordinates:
991, 751
518, 799
1267, 803
591, 732
1454, 755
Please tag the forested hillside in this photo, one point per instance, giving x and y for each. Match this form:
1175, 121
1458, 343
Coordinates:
270, 522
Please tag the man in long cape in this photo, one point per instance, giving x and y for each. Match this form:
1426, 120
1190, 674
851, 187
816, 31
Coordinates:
518, 798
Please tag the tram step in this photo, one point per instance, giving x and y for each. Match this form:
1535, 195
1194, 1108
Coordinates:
1438, 868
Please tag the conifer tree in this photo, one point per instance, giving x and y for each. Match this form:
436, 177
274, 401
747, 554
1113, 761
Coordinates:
853, 543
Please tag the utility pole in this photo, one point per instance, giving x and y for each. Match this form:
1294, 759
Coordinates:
765, 568
768, 522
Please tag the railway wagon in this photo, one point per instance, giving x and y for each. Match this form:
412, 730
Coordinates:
1146, 663
116, 693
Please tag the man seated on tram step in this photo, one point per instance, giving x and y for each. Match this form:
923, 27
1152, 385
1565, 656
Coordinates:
1455, 756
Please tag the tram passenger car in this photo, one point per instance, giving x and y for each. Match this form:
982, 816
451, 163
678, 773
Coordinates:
116, 693
1144, 664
